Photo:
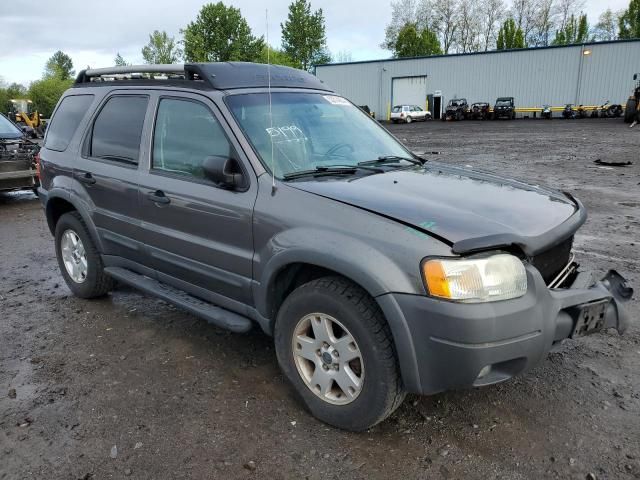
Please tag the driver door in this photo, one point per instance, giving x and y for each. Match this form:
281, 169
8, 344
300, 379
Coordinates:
199, 235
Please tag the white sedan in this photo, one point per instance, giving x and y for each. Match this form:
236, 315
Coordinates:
409, 113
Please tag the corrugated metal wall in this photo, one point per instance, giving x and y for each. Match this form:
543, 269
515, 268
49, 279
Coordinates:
534, 77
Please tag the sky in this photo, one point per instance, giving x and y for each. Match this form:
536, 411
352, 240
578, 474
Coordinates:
92, 31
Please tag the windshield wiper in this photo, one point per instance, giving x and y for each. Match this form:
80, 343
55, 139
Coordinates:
330, 170
388, 159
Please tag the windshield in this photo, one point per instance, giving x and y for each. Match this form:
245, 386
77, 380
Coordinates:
310, 130
8, 129
503, 103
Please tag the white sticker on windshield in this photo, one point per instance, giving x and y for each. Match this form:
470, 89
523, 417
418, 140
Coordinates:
334, 100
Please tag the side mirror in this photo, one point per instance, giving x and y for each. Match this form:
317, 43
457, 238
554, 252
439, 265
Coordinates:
224, 171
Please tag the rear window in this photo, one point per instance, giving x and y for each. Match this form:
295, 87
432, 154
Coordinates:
66, 120
118, 128
397, 109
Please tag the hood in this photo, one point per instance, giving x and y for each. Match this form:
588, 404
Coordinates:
9, 130
466, 209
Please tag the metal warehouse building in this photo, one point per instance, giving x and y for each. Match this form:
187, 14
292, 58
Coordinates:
587, 74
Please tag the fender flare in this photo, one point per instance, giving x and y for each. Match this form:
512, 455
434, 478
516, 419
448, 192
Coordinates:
359, 262
79, 205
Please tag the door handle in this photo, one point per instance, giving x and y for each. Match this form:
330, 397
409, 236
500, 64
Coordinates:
158, 196
86, 178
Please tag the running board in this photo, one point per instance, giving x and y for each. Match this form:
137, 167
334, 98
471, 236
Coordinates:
215, 315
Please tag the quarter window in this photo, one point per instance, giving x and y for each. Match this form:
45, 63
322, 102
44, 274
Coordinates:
118, 128
66, 120
186, 133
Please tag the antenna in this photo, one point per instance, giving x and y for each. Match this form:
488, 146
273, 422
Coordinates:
273, 160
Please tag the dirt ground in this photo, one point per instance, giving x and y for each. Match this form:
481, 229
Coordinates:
128, 386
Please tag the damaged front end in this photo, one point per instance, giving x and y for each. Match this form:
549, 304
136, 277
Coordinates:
586, 306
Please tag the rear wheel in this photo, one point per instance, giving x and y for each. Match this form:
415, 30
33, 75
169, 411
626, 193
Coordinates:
336, 349
78, 258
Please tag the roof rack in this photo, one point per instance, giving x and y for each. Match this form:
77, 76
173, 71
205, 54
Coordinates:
218, 76
132, 72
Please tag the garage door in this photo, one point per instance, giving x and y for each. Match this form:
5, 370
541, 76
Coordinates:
409, 91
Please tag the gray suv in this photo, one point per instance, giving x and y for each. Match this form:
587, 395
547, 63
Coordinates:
249, 194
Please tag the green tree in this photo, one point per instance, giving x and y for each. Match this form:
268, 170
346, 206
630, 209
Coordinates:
7, 92
276, 57
59, 66
303, 35
411, 43
45, 93
161, 49
629, 22
510, 36
119, 61
221, 34
576, 30
607, 26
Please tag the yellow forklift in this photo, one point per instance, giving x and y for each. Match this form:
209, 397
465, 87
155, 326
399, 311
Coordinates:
22, 113
632, 111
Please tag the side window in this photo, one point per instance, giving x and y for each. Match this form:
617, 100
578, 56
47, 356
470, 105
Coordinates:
118, 128
66, 120
186, 133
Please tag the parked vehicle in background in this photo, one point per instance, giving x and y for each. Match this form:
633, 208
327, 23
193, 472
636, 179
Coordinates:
22, 113
409, 113
569, 112
547, 112
632, 110
250, 195
480, 111
581, 112
367, 110
17, 158
505, 107
457, 109
610, 110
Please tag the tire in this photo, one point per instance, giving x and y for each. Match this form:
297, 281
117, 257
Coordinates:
630, 112
96, 283
381, 388
409, 119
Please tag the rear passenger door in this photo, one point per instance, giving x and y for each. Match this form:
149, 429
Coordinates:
199, 236
108, 171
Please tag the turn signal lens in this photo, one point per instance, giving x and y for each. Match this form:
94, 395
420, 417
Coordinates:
499, 277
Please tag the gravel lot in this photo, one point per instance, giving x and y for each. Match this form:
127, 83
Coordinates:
130, 386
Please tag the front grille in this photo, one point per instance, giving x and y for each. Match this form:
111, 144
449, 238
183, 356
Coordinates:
550, 262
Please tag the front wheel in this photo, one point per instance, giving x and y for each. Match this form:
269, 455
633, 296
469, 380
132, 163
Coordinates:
409, 119
336, 349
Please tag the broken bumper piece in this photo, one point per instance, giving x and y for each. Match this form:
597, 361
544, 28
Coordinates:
450, 345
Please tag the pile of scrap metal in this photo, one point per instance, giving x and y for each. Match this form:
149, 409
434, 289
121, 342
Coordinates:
18, 158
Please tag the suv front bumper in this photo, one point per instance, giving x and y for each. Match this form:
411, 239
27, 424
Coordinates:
445, 345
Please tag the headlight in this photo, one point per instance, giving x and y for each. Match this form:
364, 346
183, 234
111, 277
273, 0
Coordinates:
498, 277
